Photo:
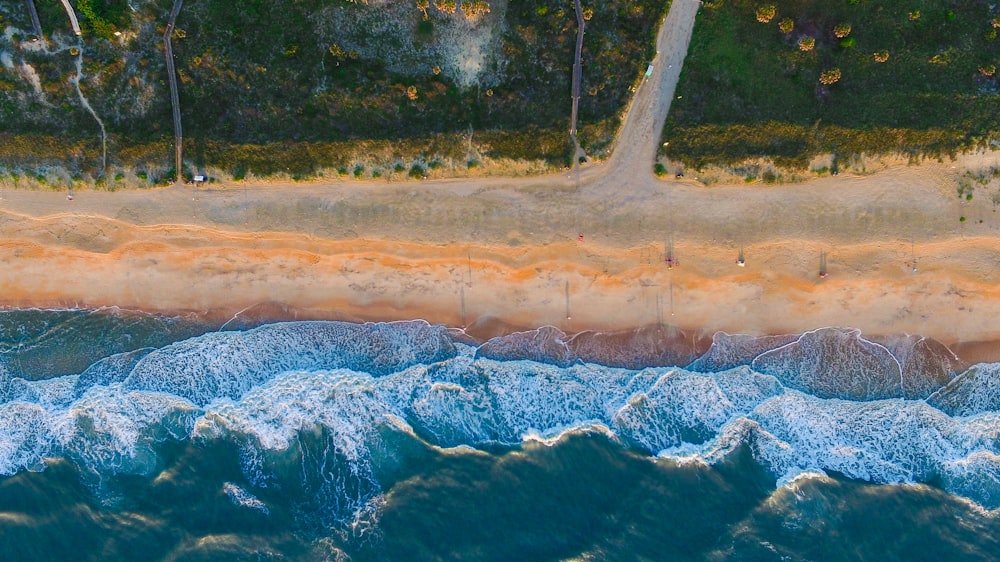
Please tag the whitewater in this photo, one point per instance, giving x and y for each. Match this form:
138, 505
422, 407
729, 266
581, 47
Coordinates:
901, 410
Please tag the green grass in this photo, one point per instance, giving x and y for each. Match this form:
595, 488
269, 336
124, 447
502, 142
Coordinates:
103, 17
749, 91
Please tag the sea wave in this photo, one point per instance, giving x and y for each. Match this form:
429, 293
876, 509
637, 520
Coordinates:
327, 411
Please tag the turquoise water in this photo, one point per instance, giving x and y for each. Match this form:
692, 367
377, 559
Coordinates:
132, 436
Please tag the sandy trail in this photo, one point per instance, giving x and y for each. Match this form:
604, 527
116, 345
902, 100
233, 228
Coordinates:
636, 145
509, 248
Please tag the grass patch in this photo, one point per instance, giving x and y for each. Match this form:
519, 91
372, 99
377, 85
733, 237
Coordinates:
895, 83
250, 90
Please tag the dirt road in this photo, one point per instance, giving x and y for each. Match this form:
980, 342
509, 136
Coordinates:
637, 142
175, 103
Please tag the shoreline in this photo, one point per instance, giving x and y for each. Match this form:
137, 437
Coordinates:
698, 341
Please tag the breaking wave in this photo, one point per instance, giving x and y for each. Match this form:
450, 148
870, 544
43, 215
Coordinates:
327, 411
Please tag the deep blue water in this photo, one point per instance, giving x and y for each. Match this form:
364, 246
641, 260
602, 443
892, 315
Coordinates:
131, 436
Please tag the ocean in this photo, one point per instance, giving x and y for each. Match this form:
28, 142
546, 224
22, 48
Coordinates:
131, 436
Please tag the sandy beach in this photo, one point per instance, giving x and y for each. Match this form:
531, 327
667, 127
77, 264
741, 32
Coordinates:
455, 253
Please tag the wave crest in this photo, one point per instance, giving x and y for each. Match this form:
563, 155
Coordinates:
544, 345
684, 407
229, 364
975, 391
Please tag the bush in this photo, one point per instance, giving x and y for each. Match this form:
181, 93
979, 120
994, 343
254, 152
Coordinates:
766, 13
829, 77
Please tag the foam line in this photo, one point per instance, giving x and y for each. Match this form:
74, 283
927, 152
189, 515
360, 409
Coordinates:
326, 409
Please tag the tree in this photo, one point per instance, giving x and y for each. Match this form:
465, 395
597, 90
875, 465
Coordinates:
474, 8
766, 13
831, 76
446, 6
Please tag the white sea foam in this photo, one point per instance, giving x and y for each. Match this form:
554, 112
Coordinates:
5, 381
794, 479
112, 369
229, 364
275, 412
59, 391
835, 363
24, 439
342, 412
556, 435
974, 391
453, 415
684, 407
890, 441
112, 429
733, 350
285, 398
546, 344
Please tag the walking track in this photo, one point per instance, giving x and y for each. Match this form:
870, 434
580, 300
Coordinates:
35, 24
175, 102
635, 148
577, 69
